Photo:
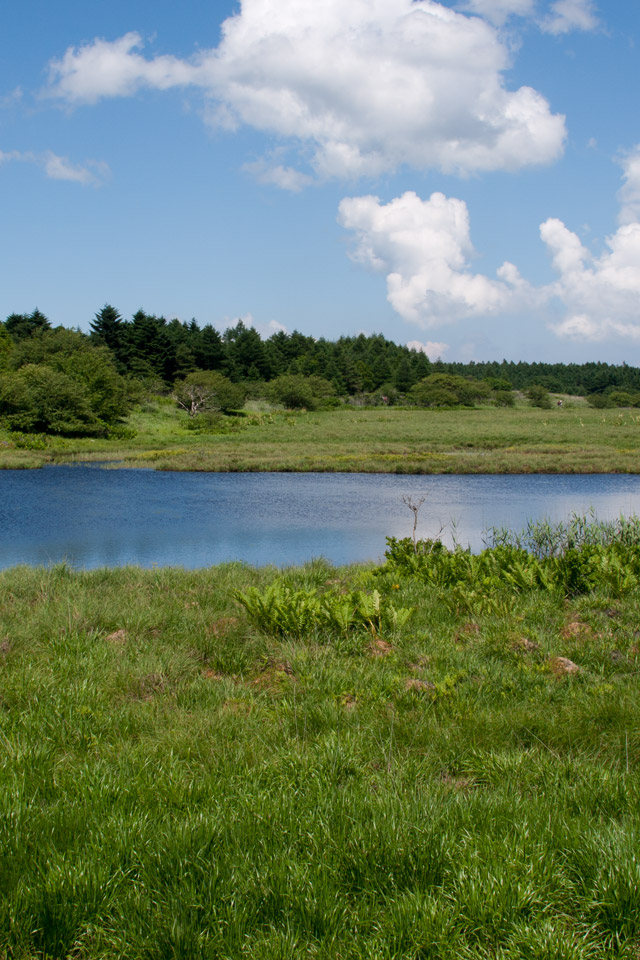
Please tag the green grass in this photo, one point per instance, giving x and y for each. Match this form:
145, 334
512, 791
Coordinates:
571, 439
177, 782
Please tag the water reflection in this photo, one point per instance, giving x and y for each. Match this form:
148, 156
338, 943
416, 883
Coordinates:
92, 517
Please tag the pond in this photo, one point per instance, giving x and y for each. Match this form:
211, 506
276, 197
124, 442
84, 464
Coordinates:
92, 517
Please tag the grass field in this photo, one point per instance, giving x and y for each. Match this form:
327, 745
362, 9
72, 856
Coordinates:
182, 780
571, 439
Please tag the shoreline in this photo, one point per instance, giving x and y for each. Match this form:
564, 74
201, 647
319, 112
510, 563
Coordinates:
522, 440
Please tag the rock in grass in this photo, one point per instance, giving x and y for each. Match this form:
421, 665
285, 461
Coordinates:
562, 666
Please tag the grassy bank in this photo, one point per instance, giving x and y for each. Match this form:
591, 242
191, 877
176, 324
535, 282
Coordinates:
571, 439
350, 763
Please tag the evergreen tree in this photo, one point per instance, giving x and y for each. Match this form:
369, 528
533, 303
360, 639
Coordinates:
19, 326
208, 348
106, 327
245, 353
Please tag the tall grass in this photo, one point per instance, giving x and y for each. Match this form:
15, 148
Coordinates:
547, 538
181, 779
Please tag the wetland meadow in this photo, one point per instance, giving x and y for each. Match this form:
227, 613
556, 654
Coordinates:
433, 755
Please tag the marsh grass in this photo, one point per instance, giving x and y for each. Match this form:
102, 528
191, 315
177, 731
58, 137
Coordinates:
177, 782
574, 439
546, 538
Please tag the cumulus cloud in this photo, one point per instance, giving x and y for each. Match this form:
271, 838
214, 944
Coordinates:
274, 327
265, 330
433, 349
629, 193
423, 247
363, 87
94, 173
567, 15
600, 294
114, 69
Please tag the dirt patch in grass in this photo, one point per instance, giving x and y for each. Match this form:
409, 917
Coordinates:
273, 674
419, 686
380, 648
223, 626
576, 630
563, 667
525, 645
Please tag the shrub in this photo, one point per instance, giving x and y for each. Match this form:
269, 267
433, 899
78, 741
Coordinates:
504, 398
599, 400
621, 398
448, 390
37, 399
207, 391
70, 353
538, 396
297, 392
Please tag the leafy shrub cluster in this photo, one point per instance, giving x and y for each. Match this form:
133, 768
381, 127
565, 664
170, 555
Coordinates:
480, 578
280, 610
449, 390
57, 382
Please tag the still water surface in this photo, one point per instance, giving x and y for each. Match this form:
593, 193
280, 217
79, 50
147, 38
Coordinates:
93, 517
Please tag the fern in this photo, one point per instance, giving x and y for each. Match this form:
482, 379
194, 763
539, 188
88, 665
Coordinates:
281, 611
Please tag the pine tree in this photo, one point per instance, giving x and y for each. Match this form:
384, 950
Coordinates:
107, 328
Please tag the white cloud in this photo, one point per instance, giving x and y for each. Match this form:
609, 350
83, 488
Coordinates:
265, 330
567, 15
60, 168
600, 294
6, 155
274, 327
277, 175
498, 11
12, 98
423, 246
113, 69
433, 349
563, 16
367, 86
629, 193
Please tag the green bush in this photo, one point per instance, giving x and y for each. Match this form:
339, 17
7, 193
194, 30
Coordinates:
38, 399
69, 352
448, 390
622, 398
600, 401
480, 578
538, 396
504, 398
214, 423
205, 391
297, 392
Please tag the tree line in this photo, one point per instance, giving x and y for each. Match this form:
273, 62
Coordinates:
62, 380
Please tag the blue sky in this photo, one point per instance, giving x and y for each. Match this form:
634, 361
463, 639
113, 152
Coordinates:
464, 177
